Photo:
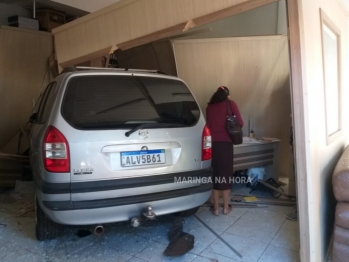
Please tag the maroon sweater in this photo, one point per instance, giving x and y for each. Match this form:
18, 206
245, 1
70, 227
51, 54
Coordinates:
216, 116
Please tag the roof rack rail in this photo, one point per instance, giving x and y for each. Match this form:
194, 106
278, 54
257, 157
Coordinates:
81, 68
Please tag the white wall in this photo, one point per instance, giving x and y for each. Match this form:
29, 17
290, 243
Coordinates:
322, 157
10, 10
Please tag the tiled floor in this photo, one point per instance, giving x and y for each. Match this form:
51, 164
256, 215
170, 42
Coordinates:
258, 234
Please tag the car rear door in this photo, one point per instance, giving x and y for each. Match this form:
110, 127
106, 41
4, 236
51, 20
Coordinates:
99, 113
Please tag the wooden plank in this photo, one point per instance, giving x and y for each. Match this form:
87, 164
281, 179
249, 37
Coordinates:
274, 188
299, 129
230, 11
104, 11
126, 21
171, 31
88, 57
265, 201
153, 36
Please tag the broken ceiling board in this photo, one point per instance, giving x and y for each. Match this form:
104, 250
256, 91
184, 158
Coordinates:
130, 20
230, 11
88, 57
168, 32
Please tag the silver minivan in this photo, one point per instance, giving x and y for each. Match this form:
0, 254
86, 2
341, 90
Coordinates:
111, 145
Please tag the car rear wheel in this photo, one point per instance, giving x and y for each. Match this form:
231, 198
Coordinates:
189, 212
45, 228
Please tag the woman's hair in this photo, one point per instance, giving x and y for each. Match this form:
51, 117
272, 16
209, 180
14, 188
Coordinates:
220, 95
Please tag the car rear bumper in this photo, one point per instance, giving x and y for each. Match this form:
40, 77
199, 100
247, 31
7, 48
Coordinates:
111, 210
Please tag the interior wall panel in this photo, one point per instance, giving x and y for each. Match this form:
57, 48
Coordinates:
255, 69
131, 19
23, 70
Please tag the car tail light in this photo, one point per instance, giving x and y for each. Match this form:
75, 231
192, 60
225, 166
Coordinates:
56, 151
206, 144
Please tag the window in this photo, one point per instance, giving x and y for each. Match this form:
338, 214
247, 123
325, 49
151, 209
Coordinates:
48, 103
44, 104
102, 102
332, 77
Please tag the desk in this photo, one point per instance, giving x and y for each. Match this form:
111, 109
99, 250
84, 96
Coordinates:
255, 154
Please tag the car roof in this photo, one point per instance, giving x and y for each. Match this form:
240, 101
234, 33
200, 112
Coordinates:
73, 71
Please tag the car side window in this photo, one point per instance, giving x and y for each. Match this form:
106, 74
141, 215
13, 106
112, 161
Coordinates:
46, 102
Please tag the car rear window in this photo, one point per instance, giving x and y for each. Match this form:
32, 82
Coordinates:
103, 102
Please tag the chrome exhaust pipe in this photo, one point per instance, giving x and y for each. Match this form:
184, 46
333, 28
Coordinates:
98, 230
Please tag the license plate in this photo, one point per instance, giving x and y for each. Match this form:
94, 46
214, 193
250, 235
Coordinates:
142, 158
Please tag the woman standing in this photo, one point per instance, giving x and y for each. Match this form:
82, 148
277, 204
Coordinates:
222, 147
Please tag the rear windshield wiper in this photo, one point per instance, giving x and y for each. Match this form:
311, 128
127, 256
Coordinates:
153, 125
121, 105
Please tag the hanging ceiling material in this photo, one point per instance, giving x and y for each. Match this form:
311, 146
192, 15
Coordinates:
131, 23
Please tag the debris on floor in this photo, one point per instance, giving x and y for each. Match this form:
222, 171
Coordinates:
250, 199
293, 215
18, 202
24, 187
180, 242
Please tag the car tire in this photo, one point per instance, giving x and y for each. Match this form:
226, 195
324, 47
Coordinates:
189, 212
45, 228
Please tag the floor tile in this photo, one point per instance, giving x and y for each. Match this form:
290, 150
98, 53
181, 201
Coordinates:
220, 223
250, 249
130, 242
204, 259
154, 253
202, 209
292, 225
21, 232
238, 212
212, 256
280, 209
136, 259
67, 245
287, 238
99, 252
275, 254
155, 230
258, 225
121, 242
203, 236
22, 255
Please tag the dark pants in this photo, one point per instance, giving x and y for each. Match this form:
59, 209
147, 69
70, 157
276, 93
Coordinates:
222, 165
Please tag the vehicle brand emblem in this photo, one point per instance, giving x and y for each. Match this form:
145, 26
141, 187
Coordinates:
143, 133
144, 148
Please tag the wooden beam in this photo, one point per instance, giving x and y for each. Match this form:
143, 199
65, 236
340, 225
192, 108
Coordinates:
180, 28
168, 32
89, 57
190, 24
101, 12
230, 11
306, 237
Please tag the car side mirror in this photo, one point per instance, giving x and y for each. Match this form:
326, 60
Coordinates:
33, 118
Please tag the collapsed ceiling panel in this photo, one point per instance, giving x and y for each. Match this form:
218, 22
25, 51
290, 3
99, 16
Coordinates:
131, 23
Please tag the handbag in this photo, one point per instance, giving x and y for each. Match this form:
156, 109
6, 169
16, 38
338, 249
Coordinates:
233, 127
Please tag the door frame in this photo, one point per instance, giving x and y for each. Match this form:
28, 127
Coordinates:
299, 130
